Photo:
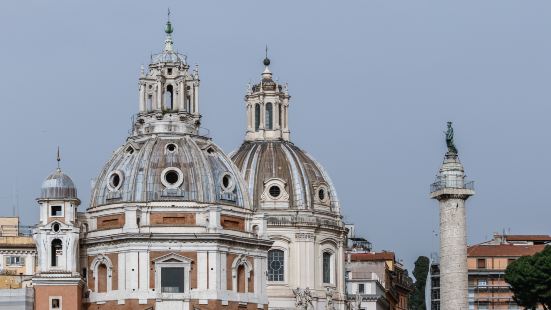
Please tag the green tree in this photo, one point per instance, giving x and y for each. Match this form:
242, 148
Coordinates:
530, 279
420, 272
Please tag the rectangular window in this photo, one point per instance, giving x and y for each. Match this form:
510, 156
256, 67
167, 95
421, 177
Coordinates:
276, 265
481, 263
326, 267
55, 303
361, 288
483, 306
15, 261
172, 279
56, 211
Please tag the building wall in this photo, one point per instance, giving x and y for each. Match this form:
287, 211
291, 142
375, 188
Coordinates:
71, 296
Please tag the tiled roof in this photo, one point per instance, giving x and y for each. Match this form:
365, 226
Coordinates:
528, 237
503, 250
355, 257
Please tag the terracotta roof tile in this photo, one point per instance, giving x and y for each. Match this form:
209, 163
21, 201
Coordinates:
504, 250
528, 237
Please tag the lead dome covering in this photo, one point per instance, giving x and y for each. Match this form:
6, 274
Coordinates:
58, 185
140, 165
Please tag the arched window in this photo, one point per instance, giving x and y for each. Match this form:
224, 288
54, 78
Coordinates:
169, 95
327, 267
102, 278
279, 116
276, 265
56, 251
241, 279
269, 114
149, 103
256, 117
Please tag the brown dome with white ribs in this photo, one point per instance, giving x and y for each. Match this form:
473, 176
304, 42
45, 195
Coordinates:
278, 174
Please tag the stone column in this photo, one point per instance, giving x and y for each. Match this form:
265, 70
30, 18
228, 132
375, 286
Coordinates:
451, 192
159, 99
196, 98
142, 97
181, 96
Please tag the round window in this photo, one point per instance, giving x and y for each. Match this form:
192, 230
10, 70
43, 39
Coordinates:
55, 227
171, 147
276, 264
275, 191
172, 177
227, 182
321, 194
115, 180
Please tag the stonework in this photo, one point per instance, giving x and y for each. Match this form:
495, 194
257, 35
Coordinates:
452, 191
175, 223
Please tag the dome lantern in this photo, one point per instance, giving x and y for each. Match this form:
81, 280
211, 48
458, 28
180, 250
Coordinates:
168, 93
267, 108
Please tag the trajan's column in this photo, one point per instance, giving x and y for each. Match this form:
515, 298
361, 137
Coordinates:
451, 191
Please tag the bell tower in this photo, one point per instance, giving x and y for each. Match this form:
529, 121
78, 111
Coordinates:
267, 105
168, 93
58, 284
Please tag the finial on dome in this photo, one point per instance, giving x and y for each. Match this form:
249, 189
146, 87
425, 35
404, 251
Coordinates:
58, 159
168, 30
266, 59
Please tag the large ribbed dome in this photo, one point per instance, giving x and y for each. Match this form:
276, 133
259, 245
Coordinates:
306, 182
58, 186
169, 168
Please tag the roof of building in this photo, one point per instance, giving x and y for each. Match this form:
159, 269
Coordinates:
372, 256
170, 167
58, 186
528, 238
304, 177
503, 250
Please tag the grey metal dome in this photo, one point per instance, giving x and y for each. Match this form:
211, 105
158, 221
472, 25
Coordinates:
58, 186
261, 161
170, 167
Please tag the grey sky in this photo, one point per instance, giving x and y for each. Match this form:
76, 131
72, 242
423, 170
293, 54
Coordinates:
372, 85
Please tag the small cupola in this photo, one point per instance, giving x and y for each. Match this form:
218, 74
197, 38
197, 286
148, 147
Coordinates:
58, 185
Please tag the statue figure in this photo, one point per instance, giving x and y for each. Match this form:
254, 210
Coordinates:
358, 301
449, 139
303, 299
329, 299
299, 299
308, 299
